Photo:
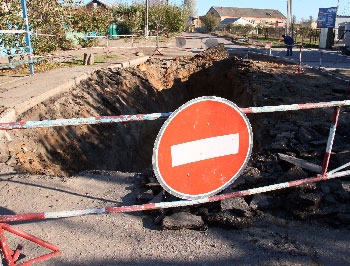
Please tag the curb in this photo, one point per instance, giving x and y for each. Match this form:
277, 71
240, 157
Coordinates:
28, 104
135, 61
11, 114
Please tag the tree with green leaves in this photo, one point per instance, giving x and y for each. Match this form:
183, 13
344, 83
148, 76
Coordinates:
90, 21
47, 19
210, 21
167, 19
51, 20
130, 17
11, 19
239, 29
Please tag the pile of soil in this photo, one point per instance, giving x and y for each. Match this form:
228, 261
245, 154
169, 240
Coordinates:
154, 87
162, 85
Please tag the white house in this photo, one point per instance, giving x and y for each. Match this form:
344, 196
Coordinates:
236, 21
264, 17
98, 3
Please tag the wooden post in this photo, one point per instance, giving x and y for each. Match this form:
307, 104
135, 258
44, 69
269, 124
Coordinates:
85, 59
91, 59
88, 59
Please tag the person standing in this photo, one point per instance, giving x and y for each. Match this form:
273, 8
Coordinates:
289, 42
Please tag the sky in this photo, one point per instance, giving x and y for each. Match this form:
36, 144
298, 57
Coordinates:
301, 8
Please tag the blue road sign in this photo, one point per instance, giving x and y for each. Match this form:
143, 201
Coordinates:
326, 17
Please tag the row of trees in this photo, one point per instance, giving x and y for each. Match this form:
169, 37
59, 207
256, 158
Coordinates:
51, 20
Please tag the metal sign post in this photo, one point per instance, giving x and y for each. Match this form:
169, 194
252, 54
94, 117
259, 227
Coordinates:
27, 34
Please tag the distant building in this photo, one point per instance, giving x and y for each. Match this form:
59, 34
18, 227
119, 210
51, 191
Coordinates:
339, 26
98, 3
235, 21
193, 23
263, 17
308, 23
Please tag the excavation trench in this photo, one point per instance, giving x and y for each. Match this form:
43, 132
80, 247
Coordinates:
153, 87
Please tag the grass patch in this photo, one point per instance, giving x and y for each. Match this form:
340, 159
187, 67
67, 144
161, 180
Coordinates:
40, 67
104, 58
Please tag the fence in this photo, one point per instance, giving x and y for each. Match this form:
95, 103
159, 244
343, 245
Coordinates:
27, 35
143, 117
310, 58
322, 57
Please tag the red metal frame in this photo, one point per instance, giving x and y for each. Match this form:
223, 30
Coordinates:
12, 256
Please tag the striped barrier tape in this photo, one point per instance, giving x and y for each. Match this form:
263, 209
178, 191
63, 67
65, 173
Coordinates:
14, 31
164, 205
154, 116
337, 76
150, 206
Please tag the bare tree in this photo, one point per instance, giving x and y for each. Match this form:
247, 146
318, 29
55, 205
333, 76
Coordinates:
190, 6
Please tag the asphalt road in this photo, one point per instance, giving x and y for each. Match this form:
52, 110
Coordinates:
323, 59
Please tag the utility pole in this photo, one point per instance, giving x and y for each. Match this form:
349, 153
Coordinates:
289, 26
146, 24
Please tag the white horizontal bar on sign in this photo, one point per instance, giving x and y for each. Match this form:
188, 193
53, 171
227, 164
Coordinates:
204, 149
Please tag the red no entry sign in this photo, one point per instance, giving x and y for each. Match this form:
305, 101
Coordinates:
202, 148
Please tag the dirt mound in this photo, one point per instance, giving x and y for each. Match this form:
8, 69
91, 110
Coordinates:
156, 86
162, 85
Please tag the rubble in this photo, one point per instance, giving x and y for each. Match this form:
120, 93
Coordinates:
182, 220
228, 220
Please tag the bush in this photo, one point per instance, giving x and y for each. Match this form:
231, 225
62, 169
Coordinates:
211, 22
59, 17
42, 45
88, 42
65, 44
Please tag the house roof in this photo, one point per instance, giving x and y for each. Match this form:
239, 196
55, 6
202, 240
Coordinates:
101, 2
248, 12
227, 21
